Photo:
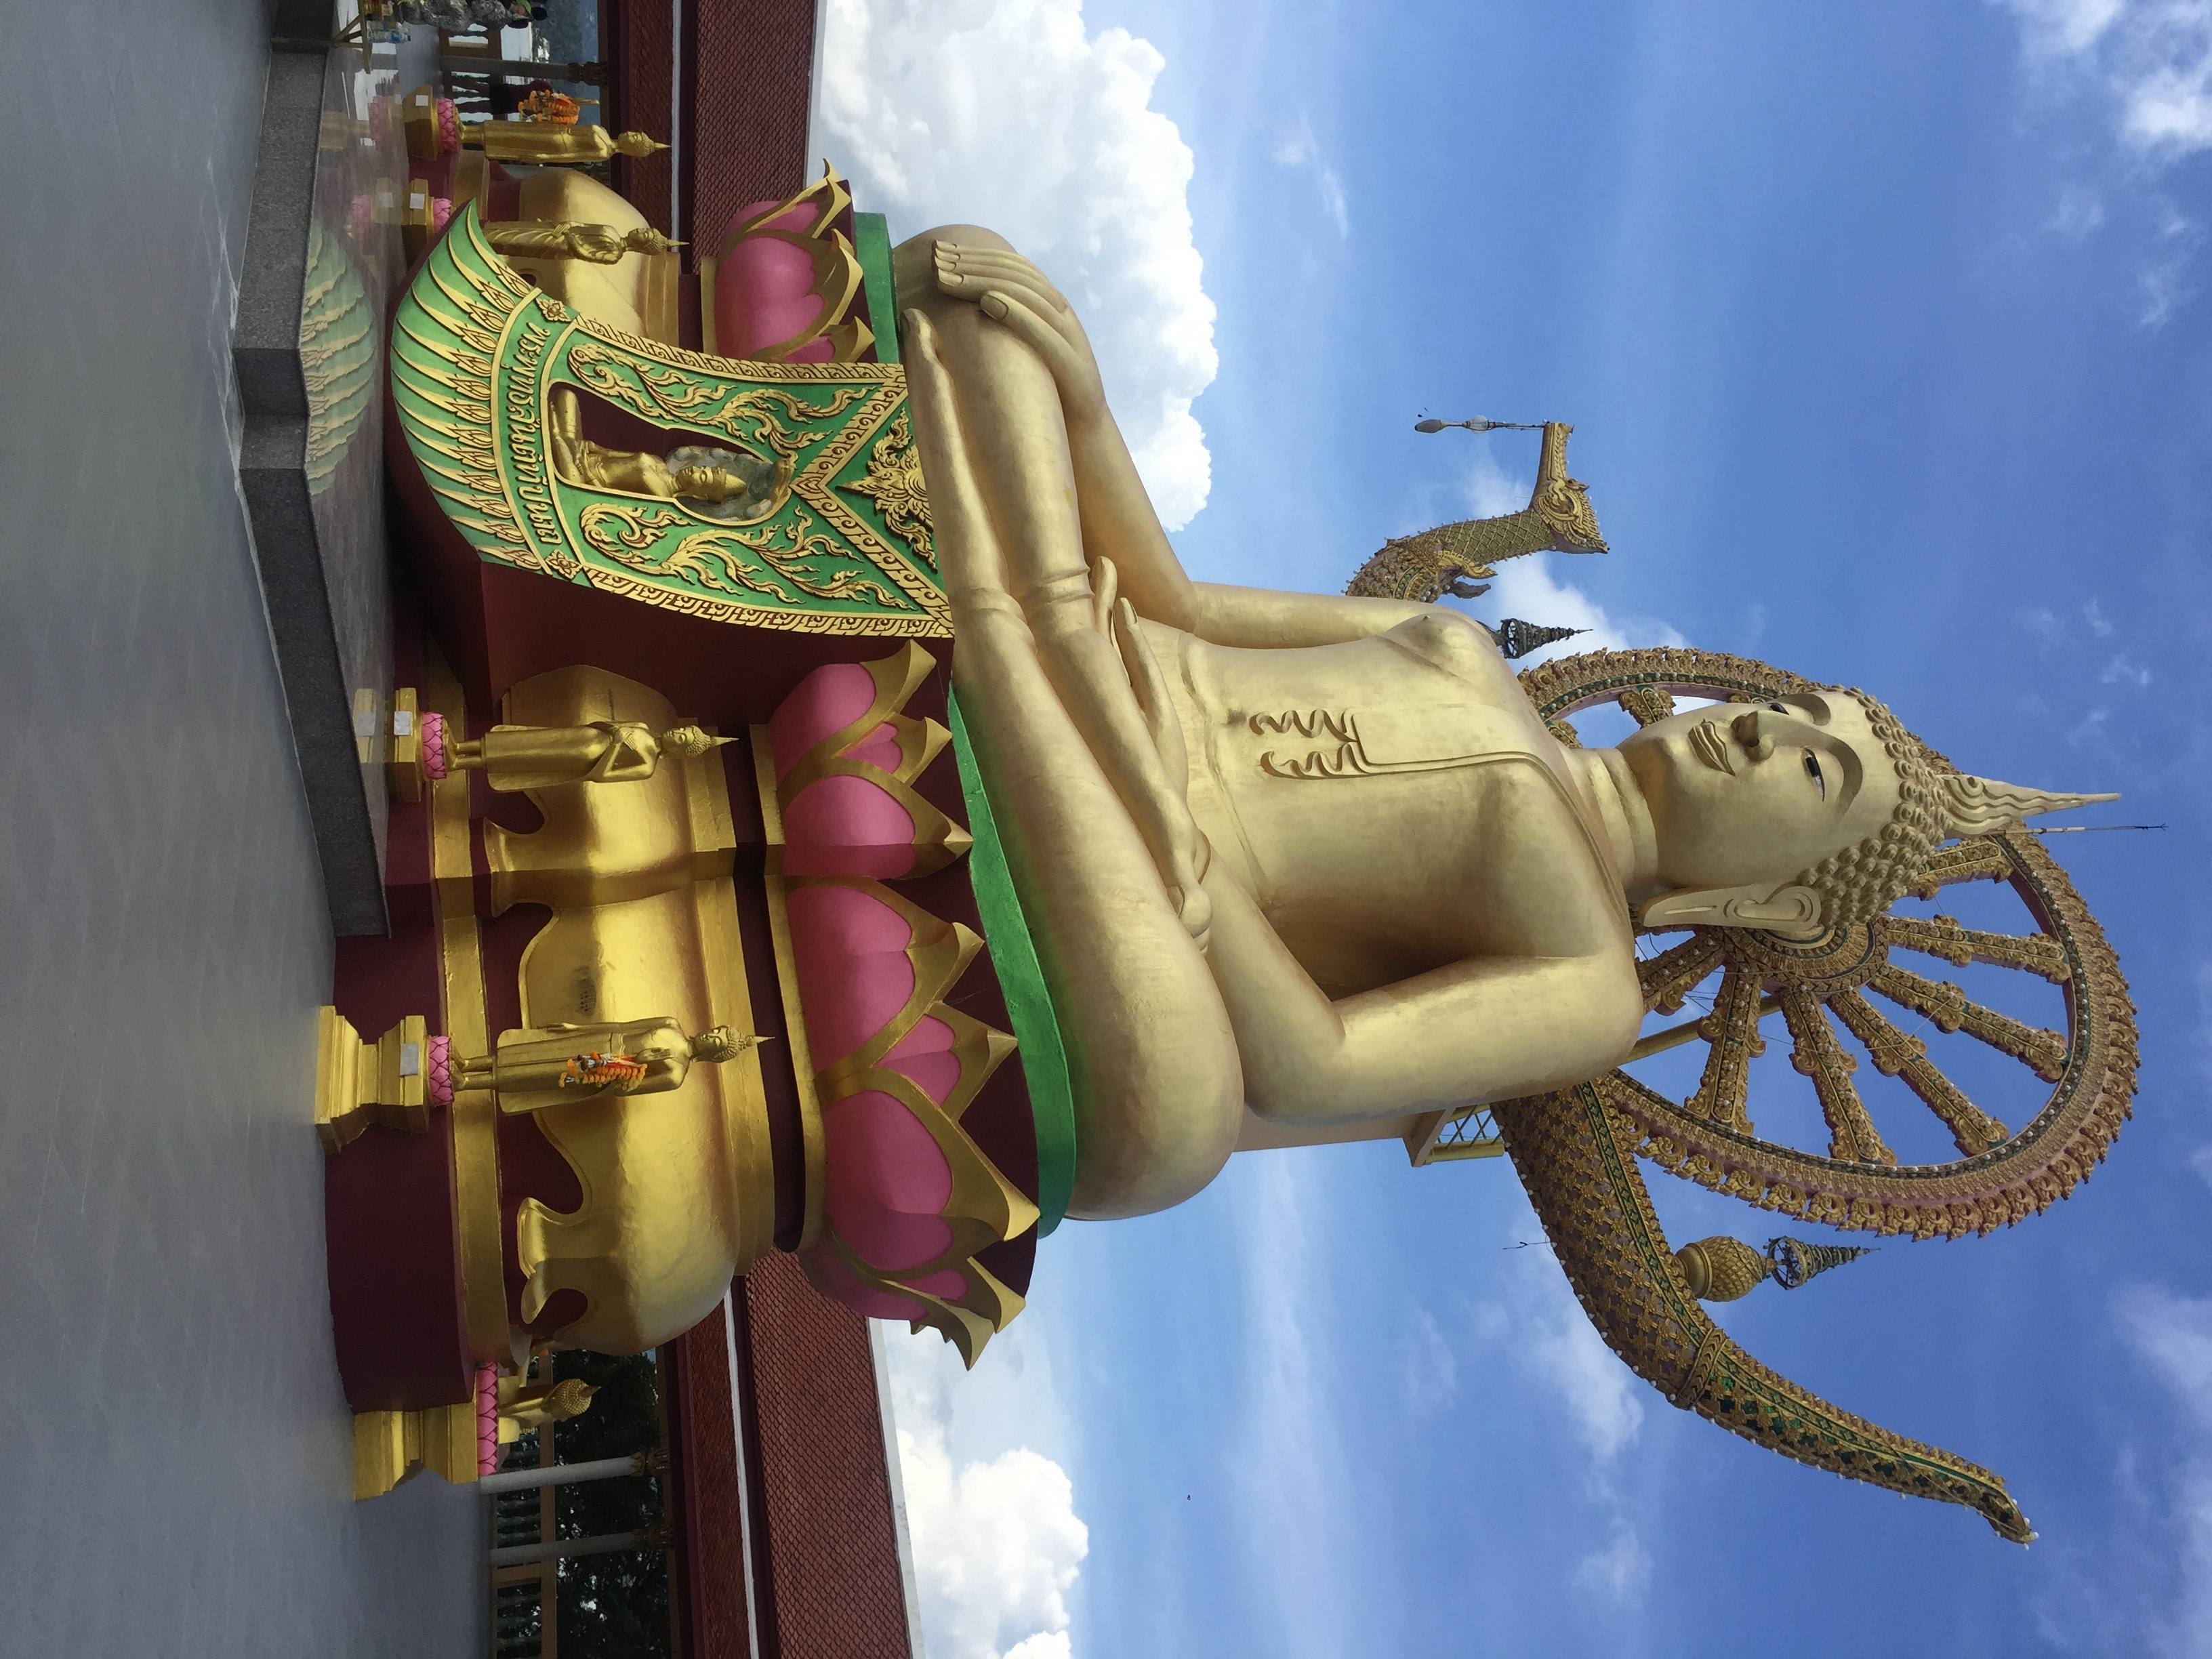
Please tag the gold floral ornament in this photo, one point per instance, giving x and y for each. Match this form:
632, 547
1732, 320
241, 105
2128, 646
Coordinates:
894, 483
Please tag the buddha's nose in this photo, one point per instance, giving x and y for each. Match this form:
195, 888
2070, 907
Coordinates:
1755, 741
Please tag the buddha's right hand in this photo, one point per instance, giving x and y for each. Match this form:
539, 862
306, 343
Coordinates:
1011, 291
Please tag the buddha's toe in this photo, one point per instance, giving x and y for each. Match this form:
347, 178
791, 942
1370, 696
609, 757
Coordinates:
1195, 909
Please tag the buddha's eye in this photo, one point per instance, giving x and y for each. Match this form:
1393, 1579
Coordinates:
1813, 771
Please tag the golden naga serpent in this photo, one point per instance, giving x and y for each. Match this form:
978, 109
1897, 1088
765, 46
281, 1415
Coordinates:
1575, 1150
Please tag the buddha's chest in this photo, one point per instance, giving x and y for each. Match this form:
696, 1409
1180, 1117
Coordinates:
1359, 787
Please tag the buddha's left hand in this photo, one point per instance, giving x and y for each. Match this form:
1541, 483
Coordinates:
1011, 291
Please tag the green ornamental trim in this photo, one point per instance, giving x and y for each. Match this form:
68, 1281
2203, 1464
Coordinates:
1021, 981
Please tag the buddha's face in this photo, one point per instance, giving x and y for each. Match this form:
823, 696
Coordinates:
708, 483
1745, 793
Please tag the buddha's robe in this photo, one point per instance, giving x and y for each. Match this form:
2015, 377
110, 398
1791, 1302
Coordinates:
546, 757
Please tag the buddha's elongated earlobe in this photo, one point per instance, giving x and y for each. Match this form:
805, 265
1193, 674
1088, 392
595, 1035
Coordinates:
1983, 806
1788, 908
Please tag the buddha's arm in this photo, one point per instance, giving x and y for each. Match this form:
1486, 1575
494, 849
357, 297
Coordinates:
1114, 511
1487, 1028
1264, 616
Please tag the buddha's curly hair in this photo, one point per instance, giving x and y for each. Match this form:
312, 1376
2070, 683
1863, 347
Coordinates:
1862, 881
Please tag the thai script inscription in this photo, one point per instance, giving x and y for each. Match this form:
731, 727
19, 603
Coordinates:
524, 443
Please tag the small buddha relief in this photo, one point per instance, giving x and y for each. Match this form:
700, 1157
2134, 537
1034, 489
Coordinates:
729, 486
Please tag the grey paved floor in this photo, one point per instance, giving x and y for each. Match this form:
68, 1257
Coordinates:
175, 1454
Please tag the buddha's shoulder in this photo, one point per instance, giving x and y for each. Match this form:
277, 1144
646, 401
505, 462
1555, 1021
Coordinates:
1544, 855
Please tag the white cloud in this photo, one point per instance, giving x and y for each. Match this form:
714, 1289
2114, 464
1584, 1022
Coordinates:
996, 1542
2080, 211
2063, 28
2148, 63
1298, 148
2171, 1336
2099, 624
1010, 114
1754, 625
1549, 1338
1298, 1498
2124, 670
1491, 491
1602, 1396
1621, 1571
1431, 1368
2042, 621
2089, 729
2201, 1161
2151, 58
2164, 284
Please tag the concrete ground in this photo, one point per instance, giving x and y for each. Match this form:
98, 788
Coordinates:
174, 1451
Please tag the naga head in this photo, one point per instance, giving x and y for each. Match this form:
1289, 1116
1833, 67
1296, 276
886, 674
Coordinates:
1799, 812
1564, 502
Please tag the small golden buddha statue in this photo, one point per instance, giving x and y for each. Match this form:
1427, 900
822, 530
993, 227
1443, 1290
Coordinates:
561, 1064
598, 245
1314, 858
545, 144
520, 757
721, 483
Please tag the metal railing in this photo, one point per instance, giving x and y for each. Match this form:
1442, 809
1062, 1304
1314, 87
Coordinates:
526, 1599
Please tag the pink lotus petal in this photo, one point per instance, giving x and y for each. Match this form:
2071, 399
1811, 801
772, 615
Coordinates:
853, 974
832, 1277
828, 700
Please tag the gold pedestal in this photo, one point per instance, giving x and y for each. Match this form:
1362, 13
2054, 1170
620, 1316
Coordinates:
418, 225
357, 1084
389, 1446
402, 771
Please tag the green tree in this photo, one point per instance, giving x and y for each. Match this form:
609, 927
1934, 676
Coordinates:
612, 1607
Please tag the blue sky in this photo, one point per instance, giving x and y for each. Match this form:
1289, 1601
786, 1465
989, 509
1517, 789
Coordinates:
1880, 327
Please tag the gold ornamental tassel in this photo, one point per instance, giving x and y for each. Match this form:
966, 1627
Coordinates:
1792, 1261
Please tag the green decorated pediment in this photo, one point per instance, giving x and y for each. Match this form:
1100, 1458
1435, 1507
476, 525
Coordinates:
784, 495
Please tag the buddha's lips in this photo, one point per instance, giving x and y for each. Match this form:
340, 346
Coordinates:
1711, 747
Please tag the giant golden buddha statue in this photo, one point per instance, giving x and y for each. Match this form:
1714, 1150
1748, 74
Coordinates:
1318, 858
1205, 869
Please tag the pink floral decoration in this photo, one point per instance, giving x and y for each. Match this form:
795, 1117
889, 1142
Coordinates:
487, 1418
449, 127
438, 1070
435, 764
